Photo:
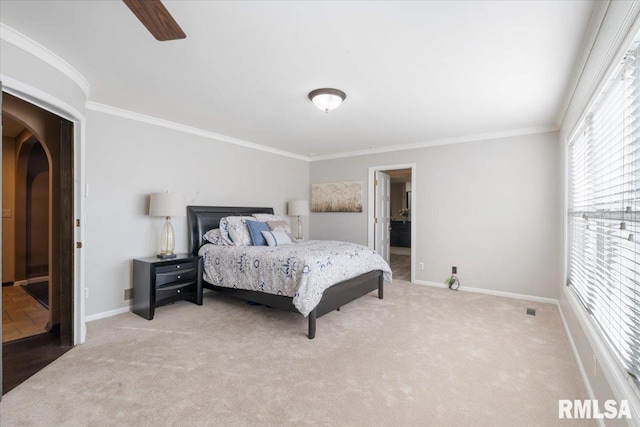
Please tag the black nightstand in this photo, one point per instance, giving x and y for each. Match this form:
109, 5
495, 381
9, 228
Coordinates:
161, 281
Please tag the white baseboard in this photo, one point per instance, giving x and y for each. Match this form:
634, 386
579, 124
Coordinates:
428, 283
491, 292
31, 280
117, 311
106, 314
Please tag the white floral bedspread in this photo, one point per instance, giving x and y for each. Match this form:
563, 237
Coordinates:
302, 270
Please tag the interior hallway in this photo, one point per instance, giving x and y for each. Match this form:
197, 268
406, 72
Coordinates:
401, 266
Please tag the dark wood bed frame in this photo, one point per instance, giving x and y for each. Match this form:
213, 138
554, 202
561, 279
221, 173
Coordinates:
201, 219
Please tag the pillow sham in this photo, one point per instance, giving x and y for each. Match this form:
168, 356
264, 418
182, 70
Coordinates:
255, 231
276, 238
237, 229
213, 236
281, 226
224, 231
267, 217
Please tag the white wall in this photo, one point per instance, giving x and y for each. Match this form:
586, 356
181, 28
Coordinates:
614, 26
126, 160
491, 208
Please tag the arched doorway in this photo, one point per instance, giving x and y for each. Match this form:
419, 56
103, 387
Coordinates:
26, 221
37, 213
37, 221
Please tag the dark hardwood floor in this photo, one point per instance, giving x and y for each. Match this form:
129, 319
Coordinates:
401, 266
23, 358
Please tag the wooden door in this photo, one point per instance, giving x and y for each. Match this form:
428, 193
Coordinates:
382, 215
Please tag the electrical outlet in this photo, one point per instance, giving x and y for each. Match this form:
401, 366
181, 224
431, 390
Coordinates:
128, 294
454, 270
86, 293
421, 266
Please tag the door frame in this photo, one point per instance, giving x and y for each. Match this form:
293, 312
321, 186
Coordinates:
62, 109
372, 212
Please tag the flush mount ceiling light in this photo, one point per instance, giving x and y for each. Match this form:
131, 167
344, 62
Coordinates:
327, 99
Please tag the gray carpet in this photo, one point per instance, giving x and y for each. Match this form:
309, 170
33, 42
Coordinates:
420, 357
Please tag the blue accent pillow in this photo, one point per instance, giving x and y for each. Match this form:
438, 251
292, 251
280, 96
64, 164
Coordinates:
255, 231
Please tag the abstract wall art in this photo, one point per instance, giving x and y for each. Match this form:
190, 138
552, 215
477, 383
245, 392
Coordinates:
337, 197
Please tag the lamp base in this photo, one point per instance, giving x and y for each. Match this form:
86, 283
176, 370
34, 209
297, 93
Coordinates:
299, 231
167, 241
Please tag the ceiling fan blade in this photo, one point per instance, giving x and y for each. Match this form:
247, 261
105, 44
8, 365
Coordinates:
156, 18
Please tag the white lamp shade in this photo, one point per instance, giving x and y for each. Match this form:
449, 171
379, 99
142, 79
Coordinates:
167, 204
298, 208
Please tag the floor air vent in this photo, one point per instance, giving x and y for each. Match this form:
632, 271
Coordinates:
531, 311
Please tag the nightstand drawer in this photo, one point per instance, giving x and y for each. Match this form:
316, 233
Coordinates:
182, 276
177, 267
179, 290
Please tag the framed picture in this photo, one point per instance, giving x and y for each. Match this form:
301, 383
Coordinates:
337, 197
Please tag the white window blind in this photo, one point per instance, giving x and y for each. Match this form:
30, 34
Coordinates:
604, 228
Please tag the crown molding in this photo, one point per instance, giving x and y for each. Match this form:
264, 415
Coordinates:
443, 141
42, 99
120, 112
625, 34
588, 42
12, 36
115, 111
25, 43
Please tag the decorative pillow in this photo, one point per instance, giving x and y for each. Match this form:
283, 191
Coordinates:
213, 236
267, 217
237, 229
276, 238
255, 231
281, 226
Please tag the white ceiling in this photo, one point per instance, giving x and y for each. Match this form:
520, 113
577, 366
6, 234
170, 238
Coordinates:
413, 72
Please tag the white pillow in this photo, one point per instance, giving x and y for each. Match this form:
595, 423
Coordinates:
267, 217
281, 226
276, 238
238, 231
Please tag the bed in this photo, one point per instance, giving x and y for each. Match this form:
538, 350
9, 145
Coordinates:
201, 219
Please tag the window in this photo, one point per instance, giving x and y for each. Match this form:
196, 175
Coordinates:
603, 217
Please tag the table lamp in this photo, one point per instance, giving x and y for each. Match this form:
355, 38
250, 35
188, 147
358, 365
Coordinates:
298, 208
167, 205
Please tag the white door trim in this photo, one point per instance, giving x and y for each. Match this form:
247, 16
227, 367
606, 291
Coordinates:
414, 211
54, 105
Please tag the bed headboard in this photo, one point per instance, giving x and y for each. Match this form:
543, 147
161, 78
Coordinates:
201, 219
